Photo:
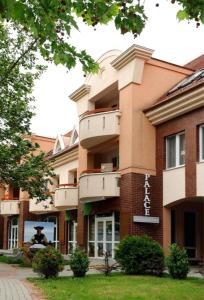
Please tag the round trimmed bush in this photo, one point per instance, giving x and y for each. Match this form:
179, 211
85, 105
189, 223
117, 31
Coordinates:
48, 262
79, 263
177, 262
140, 255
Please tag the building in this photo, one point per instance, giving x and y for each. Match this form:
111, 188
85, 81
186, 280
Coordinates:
138, 166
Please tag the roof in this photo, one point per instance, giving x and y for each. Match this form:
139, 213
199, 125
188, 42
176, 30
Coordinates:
197, 63
50, 154
190, 82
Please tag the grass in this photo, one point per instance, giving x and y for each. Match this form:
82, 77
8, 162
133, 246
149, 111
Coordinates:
121, 287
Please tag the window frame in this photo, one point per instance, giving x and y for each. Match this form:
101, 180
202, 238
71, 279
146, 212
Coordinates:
177, 150
201, 143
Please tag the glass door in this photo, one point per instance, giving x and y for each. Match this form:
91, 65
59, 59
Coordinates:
72, 236
13, 234
104, 236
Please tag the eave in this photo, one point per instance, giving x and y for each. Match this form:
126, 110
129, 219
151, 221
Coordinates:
178, 106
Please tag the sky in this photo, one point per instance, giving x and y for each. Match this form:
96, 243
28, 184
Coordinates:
173, 41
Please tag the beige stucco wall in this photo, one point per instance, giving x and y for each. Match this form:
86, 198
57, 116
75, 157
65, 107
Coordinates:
137, 135
63, 171
200, 179
173, 185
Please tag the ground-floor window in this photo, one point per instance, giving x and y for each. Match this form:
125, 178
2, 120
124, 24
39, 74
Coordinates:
54, 220
13, 233
103, 234
72, 236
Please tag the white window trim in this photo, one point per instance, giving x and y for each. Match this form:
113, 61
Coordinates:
200, 143
178, 165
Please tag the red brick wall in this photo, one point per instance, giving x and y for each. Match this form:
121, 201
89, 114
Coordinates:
189, 124
1, 231
24, 215
132, 204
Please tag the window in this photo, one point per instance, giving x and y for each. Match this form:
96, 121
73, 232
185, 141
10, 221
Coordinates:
175, 150
201, 143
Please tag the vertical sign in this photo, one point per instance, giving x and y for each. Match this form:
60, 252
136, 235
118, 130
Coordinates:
147, 201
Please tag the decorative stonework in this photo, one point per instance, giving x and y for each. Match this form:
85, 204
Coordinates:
80, 92
135, 51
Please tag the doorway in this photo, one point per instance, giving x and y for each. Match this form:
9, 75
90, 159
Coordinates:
13, 234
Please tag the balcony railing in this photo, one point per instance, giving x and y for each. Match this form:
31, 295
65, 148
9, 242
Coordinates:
98, 126
66, 196
199, 179
173, 185
9, 207
42, 207
99, 186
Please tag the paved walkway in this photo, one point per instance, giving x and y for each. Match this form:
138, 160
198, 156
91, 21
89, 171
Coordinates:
12, 285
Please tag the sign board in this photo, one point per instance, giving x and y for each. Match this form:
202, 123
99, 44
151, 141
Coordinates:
146, 219
29, 230
147, 201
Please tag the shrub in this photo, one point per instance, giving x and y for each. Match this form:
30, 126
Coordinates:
140, 255
79, 263
177, 262
48, 262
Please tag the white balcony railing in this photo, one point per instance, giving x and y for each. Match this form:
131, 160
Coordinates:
200, 179
99, 186
9, 207
66, 197
173, 185
98, 127
41, 207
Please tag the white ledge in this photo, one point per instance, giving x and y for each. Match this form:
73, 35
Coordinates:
135, 51
80, 92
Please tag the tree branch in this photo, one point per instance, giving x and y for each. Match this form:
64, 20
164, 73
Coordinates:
15, 63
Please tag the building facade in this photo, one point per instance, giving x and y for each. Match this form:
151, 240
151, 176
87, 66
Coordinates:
138, 166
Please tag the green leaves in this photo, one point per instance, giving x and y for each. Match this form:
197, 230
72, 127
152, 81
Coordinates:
51, 22
182, 15
19, 167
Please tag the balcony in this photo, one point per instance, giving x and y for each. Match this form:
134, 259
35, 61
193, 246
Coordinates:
199, 179
173, 185
98, 126
42, 207
66, 196
9, 207
96, 186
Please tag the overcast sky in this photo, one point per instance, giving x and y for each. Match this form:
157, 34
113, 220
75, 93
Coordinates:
173, 41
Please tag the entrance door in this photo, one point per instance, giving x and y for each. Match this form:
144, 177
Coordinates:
190, 234
104, 236
13, 234
72, 236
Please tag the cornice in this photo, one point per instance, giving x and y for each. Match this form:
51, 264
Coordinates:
176, 107
135, 51
65, 158
80, 92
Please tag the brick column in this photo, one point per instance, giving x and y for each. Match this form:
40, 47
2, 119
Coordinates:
1, 231
81, 228
5, 233
24, 215
132, 204
62, 227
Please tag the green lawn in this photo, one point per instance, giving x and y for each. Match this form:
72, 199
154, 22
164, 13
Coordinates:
121, 287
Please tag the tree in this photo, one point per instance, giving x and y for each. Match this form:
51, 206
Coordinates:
20, 165
50, 22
